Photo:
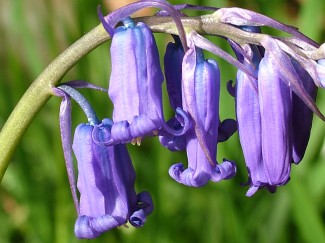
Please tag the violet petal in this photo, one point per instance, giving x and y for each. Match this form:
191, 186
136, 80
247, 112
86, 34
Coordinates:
136, 78
302, 115
105, 181
275, 100
201, 87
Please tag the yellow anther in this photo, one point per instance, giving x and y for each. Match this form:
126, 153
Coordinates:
134, 141
139, 140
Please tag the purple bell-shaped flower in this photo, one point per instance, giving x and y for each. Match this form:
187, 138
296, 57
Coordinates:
275, 99
135, 85
106, 184
135, 82
264, 114
201, 88
274, 111
173, 61
249, 128
105, 173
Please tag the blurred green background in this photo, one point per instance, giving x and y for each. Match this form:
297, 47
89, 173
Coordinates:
35, 200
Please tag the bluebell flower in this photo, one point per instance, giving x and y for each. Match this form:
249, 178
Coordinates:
275, 99
173, 61
106, 175
302, 115
274, 109
297, 78
135, 85
264, 115
273, 122
135, 82
106, 184
249, 127
201, 88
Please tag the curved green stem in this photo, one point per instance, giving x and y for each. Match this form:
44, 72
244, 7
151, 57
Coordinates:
41, 90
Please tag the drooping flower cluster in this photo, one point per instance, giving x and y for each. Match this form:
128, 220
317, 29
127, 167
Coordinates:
273, 121
275, 94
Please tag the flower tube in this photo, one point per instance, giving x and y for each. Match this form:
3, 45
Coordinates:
106, 184
135, 85
201, 88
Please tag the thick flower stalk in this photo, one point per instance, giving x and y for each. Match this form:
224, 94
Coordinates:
105, 174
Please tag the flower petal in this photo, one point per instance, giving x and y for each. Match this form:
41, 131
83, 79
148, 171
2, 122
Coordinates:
302, 115
106, 183
173, 71
275, 100
201, 86
136, 78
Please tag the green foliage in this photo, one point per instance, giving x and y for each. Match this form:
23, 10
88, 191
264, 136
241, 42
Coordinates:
35, 201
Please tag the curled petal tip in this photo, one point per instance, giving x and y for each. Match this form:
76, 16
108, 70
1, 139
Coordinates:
231, 89
228, 169
175, 171
251, 191
144, 208
138, 218
173, 133
92, 227
83, 230
226, 129
145, 202
187, 176
198, 178
179, 125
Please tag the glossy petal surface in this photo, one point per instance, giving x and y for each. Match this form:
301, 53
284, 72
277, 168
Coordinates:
106, 184
249, 128
264, 118
275, 99
136, 78
173, 60
201, 88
